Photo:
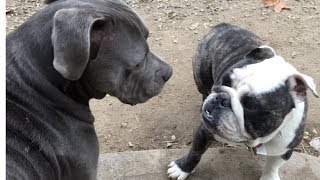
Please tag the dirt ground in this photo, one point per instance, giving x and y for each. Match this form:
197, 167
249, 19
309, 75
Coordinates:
170, 119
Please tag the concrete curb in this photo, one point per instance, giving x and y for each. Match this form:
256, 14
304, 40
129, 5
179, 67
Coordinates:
217, 163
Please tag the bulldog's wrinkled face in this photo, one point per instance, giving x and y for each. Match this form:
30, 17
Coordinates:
260, 98
248, 116
125, 67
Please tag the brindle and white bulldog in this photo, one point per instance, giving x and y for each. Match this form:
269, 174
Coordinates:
252, 96
64, 55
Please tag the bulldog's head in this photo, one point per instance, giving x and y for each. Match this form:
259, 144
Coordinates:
258, 99
103, 44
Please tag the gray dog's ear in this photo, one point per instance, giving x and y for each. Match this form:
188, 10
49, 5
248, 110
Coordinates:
299, 84
76, 38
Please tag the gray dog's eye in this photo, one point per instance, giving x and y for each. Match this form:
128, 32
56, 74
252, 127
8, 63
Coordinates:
138, 66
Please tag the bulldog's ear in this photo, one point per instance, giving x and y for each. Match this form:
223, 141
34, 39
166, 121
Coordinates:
76, 37
261, 53
298, 85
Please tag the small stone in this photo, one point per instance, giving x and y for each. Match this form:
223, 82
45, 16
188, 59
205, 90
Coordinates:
307, 138
194, 26
175, 41
169, 144
123, 124
173, 137
293, 54
315, 143
130, 145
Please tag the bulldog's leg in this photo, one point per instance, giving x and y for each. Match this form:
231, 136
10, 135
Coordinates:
271, 168
181, 168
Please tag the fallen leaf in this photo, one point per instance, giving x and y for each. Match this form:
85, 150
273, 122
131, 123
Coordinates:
269, 3
279, 6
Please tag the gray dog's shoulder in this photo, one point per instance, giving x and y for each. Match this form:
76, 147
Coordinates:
64, 55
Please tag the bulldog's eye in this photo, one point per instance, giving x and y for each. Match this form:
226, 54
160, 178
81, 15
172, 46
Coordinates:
226, 103
249, 104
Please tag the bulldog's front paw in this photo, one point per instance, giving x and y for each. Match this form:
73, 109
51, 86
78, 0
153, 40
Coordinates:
175, 172
271, 176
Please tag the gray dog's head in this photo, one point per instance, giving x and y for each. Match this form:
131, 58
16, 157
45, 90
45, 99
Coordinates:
104, 45
259, 99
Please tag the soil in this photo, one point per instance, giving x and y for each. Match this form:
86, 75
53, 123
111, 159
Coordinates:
170, 119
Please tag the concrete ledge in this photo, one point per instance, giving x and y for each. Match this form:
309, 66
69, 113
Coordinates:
217, 163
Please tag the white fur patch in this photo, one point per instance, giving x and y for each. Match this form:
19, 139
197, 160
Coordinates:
271, 168
176, 173
264, 76
277, 142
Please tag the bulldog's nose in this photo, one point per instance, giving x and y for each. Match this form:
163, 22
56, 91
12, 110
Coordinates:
221, 100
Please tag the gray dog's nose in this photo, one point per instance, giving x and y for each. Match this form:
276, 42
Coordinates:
167, 73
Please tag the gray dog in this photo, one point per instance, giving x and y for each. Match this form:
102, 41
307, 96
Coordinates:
66, 54
252, 96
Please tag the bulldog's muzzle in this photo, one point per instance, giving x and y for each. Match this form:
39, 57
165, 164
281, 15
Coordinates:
222, 113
